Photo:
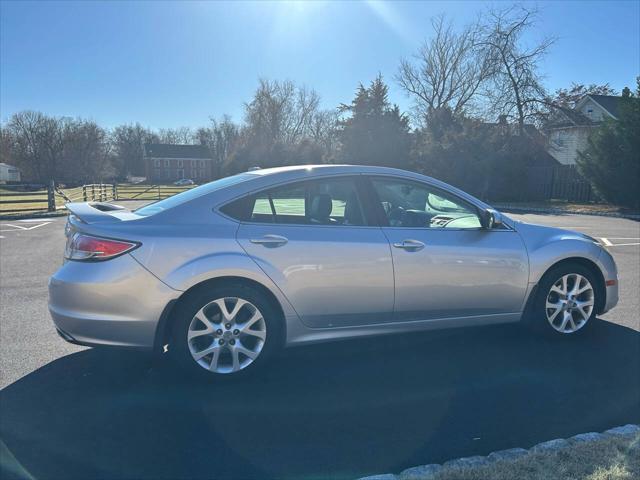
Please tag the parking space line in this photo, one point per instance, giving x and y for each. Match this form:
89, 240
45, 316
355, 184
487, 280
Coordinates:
16, 228
34, 220
607, 241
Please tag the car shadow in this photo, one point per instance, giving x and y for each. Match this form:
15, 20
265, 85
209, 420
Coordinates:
337, 410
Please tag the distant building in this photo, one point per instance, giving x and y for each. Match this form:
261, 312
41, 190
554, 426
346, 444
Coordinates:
9, 173
167, 163
568, 130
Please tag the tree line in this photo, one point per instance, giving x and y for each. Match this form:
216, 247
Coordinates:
476, 92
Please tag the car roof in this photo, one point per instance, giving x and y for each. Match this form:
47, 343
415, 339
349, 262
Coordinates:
328, 169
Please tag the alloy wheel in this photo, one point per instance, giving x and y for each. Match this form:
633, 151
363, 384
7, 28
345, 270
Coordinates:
569, 303
226, 335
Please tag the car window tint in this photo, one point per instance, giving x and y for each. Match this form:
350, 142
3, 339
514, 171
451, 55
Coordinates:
192, 194
333, 202
418, 205
289, 201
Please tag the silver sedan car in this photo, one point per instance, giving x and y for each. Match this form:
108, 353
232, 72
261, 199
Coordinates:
225, 274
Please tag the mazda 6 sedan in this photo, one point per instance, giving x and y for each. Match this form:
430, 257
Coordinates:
225, 274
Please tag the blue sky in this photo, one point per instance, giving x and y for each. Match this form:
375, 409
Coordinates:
168, 64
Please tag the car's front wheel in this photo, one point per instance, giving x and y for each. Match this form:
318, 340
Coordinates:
565, 301
225, 332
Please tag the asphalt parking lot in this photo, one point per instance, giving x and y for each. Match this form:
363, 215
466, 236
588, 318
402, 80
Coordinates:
337, 410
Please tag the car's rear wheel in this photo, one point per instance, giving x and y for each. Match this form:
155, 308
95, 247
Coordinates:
225, 332
565, 303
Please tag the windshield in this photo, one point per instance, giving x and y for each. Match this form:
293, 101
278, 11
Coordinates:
188, 195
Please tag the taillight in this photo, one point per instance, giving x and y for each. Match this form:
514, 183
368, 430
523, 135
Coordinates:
86, 247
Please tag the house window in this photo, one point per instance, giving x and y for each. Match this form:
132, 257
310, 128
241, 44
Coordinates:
180, 174
167, 173
156, 163
201, 163
166, 163
180, 164
559, 139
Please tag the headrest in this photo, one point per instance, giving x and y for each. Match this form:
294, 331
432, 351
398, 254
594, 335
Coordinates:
321, 206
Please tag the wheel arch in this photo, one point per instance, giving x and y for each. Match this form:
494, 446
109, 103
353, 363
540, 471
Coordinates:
586, 263
163, 330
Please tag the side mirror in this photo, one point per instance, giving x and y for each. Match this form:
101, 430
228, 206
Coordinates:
491, 219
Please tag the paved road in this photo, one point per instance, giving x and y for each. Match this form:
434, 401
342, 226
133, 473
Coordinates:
346, 409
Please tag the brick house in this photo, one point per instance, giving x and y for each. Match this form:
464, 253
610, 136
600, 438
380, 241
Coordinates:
167, 163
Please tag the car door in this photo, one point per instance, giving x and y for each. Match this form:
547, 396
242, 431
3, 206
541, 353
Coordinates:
446, 264
313, 239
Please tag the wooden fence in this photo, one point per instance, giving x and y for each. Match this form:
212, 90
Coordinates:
561, 182
148, 192
29, 198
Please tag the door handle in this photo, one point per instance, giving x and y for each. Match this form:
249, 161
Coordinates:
270, 241
411, 245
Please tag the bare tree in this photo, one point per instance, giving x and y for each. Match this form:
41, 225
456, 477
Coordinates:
322, 130
128, 146
448, 70
37, 143
179, 136
86, 153
57, 148
515, 89
281, 112
221, 137
6, 145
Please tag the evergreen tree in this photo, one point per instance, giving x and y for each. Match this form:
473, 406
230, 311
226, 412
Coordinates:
611, 161
375, 133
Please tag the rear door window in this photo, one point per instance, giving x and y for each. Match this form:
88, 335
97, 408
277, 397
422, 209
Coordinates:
333, 202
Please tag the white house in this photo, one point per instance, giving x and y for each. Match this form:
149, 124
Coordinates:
9, 173
569, 130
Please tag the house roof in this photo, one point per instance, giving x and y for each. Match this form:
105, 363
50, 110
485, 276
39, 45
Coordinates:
608, 102
168, 150
565, 117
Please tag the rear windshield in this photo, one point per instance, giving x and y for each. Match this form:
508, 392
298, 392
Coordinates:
192, 193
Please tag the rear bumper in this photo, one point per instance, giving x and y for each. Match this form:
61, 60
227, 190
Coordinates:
115, 303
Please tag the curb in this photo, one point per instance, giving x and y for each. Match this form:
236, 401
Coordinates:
559, 211
425, 472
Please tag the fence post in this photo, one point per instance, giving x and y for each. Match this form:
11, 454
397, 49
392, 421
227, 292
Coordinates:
114, 191
158, 191
51, 199
84, 193
93, 192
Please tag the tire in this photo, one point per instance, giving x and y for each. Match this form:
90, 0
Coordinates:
236, 328
571, 314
